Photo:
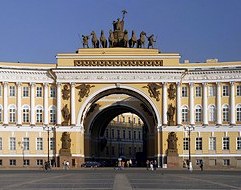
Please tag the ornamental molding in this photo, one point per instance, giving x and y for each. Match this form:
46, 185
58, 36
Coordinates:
25, 76
118, 63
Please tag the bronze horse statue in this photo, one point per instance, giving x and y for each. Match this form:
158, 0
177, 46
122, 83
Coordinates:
103, 40
133, 40
141, 41
111, 39
95, 41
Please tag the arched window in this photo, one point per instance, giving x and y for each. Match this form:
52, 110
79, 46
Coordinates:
12, 113
212, 114
39, 114
184, 114
238, 113
1, 113
52, 112
26, 114
225, 113
198, 113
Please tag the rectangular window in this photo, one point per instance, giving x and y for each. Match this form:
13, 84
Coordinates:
39, 91
129, 132
1, 162
12, 162
238, 143
1, 143
39, 143
212, 143
211, 90
199, 143
25, 91
39, 162
225, 143
225, 90
124, 134
198, 91
26, 143
112, 150
135, 135
12, 143
12, 91
52, 143
239, 90
107, 133
184, 91
186, 143
118, 133
26, 162
52, 92
112, 133
139, 135
226, 162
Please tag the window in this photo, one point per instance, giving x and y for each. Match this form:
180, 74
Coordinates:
238, 113
212, 143
211, 90
185, 114
225, 113
1, 162
123, 119
129, 134
1, 143
212, 113
198, 91
25, 91
12, 144
198, 113
107, 133
124, 134
139, 135
52, 92
12, 162
39, 114
52, 143
112, 133
1, 113
135, 135
186, 143
26, 113
12, 114
238, 143
39, 162
39, 91
226, 162
39, 143
26, 143
112, 150
26, 162
12, 91
225, 143
129, 120
199, 143
52, 113
107, 150
225, 90
238, 90
184, 91
118, 133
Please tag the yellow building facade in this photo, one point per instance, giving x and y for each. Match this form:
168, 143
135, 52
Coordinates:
61, 111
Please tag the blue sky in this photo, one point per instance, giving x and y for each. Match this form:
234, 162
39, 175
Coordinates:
36, 30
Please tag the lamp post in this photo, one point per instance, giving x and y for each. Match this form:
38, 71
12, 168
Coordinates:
189, 128
48, 129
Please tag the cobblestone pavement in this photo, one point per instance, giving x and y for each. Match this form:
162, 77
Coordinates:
127, 179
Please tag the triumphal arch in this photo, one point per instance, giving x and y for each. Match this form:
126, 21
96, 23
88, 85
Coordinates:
191, 112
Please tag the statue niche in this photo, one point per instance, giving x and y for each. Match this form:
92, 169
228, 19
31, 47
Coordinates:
66, 144
172, 144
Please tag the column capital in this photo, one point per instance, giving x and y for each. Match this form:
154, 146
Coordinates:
178, 83
218, 84
72, 84
18, 84
58, 84
46, 84
32, 84
204, 83
5, 83
191, 84
231, 83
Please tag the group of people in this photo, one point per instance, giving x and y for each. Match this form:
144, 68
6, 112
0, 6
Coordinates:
121, 164
151, 165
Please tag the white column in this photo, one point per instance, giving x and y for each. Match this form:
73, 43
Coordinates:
219, 106
232, 104
46, 103
179, 109
205, 104
73, 117
59, 103
19, 104
5, 103
32, 103
191, 103
164, 103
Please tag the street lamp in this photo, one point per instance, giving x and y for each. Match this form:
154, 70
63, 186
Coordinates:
189, 128
48, 129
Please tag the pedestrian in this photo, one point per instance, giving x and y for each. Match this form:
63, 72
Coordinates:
155, 164
64, 165
130, 163
151, 165
67, 165
201, 165
147, 164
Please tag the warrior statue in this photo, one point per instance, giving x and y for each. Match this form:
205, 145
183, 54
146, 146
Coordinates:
103, 40
125, 38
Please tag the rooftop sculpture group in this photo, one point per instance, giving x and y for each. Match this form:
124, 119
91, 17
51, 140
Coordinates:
118, 37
